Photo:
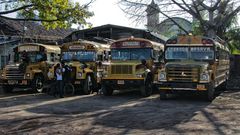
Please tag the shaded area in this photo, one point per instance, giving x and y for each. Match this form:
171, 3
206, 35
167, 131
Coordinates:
124, 113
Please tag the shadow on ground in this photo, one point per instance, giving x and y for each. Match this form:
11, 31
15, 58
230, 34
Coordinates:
124, 111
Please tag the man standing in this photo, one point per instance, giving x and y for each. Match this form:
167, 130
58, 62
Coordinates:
59, 79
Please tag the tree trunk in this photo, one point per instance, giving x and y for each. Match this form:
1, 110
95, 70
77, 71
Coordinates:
211, 30
211, 33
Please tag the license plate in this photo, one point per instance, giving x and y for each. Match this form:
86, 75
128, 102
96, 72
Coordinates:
201, 87
77, 82
120, 82
24, 82
12, 82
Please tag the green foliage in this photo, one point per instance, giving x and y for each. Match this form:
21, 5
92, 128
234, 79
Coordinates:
234, 40
53, 13
197, 29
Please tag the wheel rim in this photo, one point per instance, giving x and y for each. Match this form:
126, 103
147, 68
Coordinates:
89, 83
39, 84
68, 89
148, 88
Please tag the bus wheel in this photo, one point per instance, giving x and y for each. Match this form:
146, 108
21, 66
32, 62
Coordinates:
38, 84
146, 90
88, 85
107, 91
7, 89
163, 95
69, 89
210, 92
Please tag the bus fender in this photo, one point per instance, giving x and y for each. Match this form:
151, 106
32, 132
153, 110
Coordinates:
148, 75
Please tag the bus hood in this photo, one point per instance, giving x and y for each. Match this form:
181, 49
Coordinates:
133, 63
73, 63
12, 65
191, 64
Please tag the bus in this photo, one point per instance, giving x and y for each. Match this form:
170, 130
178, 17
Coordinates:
31, 73
193, 63
133, 64
83, 58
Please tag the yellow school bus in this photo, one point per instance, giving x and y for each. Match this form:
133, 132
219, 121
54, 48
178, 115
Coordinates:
31, 74
83, 57
193, 63
133, 64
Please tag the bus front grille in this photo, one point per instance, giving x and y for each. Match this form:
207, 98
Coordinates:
182, 74
13, 73
121, 69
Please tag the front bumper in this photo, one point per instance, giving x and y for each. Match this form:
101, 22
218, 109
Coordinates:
182, 86
78, 81
123, 83
23, 82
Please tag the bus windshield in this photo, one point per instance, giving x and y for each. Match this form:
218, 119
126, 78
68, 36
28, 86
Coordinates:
79, 56
33, 57
131, 54
195, 53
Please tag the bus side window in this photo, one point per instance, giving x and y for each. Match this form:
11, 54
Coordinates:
106, 55
52, 56
100, 57
161, 56
218, 53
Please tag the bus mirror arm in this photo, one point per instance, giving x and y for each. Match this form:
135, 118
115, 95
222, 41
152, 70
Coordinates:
144, 62
99, 63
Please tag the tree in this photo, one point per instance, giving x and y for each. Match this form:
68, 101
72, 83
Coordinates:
213, 16
234, 41
52, 13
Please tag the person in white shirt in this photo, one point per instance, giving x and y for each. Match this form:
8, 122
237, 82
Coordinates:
59, 80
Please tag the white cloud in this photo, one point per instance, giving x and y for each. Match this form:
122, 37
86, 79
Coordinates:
108, 12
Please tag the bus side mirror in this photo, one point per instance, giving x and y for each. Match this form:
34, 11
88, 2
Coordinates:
9, 57
217, 55
99, 57
143, 61
99, 63
161, 57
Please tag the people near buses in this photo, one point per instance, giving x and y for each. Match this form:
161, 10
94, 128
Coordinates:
59, 80
25, 57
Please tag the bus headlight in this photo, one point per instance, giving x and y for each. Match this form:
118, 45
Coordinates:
162, 76
79, 74
27, 74
99, 74
139, 75
204, 77
2, 75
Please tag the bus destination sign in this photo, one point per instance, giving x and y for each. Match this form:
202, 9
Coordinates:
28, 48
130, 44
76, 47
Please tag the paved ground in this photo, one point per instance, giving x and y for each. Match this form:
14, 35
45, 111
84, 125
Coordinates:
123, 113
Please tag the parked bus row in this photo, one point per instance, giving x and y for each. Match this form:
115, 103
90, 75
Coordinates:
184, 63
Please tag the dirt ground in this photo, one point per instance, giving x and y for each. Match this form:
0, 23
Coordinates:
122, 113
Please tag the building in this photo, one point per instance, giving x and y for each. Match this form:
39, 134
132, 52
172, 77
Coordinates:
167, 27
15, 32
107, 33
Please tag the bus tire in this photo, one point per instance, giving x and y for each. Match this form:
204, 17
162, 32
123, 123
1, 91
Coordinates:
68, 89
210, 92
7, 88
88, 85
37, 84
107, 91
147, 89
163, 95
